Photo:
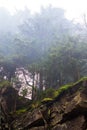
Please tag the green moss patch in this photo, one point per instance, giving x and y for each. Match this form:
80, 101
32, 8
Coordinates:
20, 111
68, 86
82, 79
45, 100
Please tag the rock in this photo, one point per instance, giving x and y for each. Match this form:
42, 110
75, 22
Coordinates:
74, 124
68, 111
10, 102
64, 113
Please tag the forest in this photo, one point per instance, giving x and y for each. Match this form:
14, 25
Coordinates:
52, 49
46, 43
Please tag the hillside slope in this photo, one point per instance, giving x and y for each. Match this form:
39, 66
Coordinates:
68, 111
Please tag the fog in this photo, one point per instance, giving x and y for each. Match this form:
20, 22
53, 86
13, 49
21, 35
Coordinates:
35, 41
41, 49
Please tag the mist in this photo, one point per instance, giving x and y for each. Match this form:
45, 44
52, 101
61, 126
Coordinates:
27, 39
42, 54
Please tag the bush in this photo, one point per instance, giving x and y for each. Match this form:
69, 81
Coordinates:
5, 83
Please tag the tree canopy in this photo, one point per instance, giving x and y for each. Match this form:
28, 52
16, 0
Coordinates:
46, 43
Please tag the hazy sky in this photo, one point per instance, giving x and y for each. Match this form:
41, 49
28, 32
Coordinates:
73, 8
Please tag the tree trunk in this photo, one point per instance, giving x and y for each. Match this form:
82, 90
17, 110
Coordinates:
41, 81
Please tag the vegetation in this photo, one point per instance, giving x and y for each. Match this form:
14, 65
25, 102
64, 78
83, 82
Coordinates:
68, 86
20, 111
46, 100
24, 92
53, 49
5, 83
46, 43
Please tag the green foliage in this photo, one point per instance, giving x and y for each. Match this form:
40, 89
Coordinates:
48, 93
5, 83
50, 46
35, 104
24, 92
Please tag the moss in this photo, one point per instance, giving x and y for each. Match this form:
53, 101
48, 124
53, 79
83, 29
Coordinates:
66, 87
20, 111
51, 94
49, 112
63, 88
82, 79
45, 100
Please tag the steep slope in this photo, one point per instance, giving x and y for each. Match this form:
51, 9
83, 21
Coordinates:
67, 111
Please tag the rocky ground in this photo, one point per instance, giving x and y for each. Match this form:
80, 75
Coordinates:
68, 111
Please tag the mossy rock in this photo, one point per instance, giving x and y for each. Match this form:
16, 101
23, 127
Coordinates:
68, 86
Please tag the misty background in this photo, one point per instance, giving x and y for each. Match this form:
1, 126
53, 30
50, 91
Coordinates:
45, 42
43, 64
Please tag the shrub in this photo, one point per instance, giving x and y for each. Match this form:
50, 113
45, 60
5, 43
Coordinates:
5, 83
